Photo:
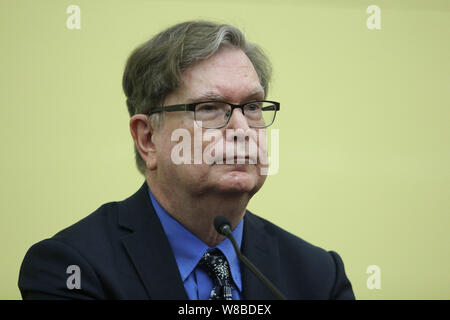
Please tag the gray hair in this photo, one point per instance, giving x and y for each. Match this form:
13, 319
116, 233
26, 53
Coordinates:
154, 69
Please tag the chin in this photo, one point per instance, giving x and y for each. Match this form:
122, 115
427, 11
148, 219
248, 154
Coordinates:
240, 182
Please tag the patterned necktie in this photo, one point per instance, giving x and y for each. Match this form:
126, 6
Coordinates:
216, 265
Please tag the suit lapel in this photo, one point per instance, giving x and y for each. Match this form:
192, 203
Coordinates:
262, 250
149, 249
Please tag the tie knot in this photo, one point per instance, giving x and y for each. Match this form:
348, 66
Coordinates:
216, 264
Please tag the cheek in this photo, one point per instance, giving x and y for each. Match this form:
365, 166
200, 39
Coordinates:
262, 140
180, 149
177, 134
164, 145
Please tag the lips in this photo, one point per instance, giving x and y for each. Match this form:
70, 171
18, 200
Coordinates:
239, 160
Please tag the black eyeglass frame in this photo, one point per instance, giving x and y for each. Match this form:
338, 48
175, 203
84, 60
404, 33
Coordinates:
191, 107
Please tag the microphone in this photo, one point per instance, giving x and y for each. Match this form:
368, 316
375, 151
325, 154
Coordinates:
223, 227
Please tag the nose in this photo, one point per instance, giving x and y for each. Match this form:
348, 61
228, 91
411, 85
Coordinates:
237, 120
240, 139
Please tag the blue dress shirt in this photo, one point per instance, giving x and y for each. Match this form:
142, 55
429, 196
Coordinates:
188, 250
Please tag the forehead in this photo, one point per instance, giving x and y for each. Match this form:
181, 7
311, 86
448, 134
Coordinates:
228, 74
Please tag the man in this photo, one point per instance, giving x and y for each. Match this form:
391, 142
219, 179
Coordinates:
160, 243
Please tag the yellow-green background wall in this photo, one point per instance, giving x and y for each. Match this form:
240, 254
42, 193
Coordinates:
364, 127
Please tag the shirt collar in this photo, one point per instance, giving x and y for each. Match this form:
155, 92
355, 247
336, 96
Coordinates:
188, 249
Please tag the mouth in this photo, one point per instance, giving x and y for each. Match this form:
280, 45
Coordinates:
239, 160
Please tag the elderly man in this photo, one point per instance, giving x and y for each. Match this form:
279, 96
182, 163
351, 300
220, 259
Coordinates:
161, 243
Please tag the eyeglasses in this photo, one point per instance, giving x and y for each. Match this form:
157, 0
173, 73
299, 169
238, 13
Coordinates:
217, 114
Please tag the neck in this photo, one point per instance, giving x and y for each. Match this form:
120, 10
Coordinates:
197, 212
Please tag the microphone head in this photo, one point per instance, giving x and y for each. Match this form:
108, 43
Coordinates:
220, 223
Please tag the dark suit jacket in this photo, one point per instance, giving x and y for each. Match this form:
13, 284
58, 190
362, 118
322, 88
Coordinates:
123, 253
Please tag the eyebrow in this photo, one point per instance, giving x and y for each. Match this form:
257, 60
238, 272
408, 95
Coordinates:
210, 95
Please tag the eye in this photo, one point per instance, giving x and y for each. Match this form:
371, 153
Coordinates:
255, 106
207, 107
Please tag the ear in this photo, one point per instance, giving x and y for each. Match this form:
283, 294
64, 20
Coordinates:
142, 133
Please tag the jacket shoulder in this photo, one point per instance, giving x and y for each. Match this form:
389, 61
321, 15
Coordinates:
83, 247
286, 238
93, 227
318, 273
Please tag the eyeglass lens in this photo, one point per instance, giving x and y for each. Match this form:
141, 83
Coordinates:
216, 114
